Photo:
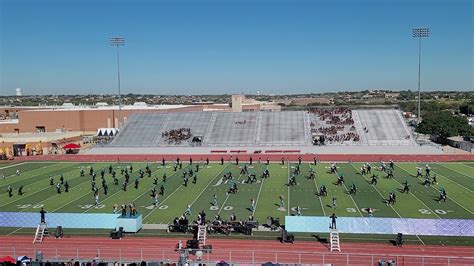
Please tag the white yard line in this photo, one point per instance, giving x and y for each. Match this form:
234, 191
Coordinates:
15, 164
391, 206
212, 180
227, 197
146, 191
454, 181
39, 181
69, 202
258, 196
317, 188
161, 203
36, 169
466, 165
29, 194
418, 199
43, 201
287, 180
55, 195
450, 198
457, 172
358, 209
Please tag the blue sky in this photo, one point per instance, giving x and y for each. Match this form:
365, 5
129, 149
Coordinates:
230, 46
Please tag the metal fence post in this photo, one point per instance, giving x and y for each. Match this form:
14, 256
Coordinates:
422, 260
141, 254
323, 259
449, 261
372, 259
120, 255
276, 257
230, 256
56, 253
347, 258
253, 257
299, 257
14, 252
98, 253
77, 253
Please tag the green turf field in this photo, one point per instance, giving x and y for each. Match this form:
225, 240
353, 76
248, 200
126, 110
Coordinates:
421, 202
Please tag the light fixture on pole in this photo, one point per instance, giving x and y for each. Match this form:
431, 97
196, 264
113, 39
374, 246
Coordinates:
420, 33
118, 41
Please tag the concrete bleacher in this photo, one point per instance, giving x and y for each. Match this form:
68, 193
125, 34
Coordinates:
282, 128
291, 128
141, 130
233, 129
385, 127
196, 121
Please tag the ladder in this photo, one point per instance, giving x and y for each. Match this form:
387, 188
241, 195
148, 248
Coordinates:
334, 236
41, 232
202, 229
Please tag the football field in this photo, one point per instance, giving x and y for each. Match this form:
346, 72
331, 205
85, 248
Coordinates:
422, 201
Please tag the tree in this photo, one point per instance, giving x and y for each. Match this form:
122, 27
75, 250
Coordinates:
444, 125
467, 108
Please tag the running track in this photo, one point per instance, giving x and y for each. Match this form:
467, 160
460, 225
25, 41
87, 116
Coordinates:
255, 157
159, 249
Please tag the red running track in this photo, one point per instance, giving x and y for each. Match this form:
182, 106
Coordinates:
255, 157
243, 251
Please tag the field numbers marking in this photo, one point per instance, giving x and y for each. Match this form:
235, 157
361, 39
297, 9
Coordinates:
26, 206
88, 206
438, 211
351, 210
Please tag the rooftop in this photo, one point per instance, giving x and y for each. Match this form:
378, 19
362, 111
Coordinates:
37, 137
110, 107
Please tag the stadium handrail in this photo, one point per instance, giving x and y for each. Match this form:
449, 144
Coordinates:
101, 254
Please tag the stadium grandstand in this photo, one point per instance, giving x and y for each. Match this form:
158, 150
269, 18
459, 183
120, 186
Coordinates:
330, 126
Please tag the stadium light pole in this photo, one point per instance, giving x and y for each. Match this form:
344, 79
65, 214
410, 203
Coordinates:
420, 33
117, 42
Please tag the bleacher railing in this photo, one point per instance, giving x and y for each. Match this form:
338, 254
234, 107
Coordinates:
131, 254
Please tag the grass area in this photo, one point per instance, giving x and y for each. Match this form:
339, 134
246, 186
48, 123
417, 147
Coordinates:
421, 202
